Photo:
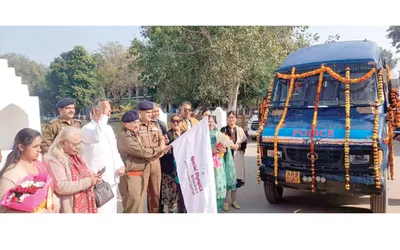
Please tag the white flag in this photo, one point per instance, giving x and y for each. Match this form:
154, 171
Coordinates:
193, 157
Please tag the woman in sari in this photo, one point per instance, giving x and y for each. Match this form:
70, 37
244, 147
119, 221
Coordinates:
224, 169
20, 163
73, 182
239, 139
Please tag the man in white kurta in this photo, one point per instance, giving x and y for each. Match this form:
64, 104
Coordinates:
99, 149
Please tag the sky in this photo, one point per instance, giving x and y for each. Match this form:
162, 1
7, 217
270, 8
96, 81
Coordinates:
44, 43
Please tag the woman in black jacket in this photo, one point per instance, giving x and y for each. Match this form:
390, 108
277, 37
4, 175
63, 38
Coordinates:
171, 194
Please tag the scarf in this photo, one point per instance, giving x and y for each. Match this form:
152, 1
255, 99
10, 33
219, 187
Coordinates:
85, 200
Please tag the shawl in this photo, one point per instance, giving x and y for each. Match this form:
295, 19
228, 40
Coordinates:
85, 200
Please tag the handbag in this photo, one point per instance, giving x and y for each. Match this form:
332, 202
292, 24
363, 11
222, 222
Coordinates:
103, 193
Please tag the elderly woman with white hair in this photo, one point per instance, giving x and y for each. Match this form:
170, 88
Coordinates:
73, 182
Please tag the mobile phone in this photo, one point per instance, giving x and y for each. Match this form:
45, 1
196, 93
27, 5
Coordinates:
101, 171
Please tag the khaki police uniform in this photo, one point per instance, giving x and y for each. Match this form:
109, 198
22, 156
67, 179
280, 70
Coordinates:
53, 128
141, 154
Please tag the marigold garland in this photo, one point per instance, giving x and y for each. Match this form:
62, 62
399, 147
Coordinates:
264, 117
376, 127
331, 73
391, 152
280, 124
347, 136
313, 126
352, 81
391, 124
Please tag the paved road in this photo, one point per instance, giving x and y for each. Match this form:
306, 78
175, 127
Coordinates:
252, 199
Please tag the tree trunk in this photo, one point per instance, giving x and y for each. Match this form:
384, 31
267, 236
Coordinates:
137, 93
233, 94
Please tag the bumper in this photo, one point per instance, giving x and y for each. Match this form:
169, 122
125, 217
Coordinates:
334, 184
252, 132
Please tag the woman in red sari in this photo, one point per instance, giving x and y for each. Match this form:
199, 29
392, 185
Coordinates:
73, 182
21, 162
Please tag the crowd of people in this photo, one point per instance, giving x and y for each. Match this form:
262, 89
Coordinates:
137, 161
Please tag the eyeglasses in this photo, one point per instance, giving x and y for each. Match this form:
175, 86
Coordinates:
176, 121
75, 145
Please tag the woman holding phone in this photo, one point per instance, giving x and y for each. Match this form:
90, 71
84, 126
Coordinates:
73, 182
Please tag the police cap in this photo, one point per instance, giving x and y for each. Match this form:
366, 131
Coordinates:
65, 102
146, 105
130, 116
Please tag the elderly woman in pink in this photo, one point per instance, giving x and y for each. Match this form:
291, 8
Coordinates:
73, 182
21, 162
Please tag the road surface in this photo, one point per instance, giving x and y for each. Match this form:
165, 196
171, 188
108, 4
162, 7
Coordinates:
252, 199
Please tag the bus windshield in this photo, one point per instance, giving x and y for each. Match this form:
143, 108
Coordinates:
332, 93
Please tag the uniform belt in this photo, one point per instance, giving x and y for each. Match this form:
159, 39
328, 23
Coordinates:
139, 174
135, 173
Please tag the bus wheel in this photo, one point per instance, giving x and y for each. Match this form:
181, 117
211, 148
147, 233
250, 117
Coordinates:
379, 203
273, 192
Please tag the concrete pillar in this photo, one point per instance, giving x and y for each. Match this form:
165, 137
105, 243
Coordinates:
164, 117
220, 116
18, 109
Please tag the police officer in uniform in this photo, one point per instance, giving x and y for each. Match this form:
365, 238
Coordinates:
66, 108
141, 144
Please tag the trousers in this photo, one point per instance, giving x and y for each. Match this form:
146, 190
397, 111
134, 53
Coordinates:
133, 190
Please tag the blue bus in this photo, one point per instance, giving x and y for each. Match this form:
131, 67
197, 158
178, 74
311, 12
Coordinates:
295, 154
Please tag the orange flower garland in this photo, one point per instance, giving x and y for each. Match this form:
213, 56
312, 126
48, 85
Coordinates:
303, 75
347, 136
391, 125
391, 152
355, 80
264, 117
280, 124
376, 127
331, 73
313, 126
394, 95
375, 146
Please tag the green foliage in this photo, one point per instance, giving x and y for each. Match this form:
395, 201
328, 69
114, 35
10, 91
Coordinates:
388, 57
116, 71
333, 38
212, 64
73, 74
394, 34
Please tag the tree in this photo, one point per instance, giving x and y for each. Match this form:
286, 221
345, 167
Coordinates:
73, 74
388, 57
115, 71
209, 64
333, 38
394, 34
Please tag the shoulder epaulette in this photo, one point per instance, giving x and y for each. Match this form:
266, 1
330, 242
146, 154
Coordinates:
53, 120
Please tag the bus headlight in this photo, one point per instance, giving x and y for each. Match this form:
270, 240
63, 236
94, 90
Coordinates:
359, 159
270, 153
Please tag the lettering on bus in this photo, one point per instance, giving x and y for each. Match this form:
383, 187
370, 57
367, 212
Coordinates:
318, 132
